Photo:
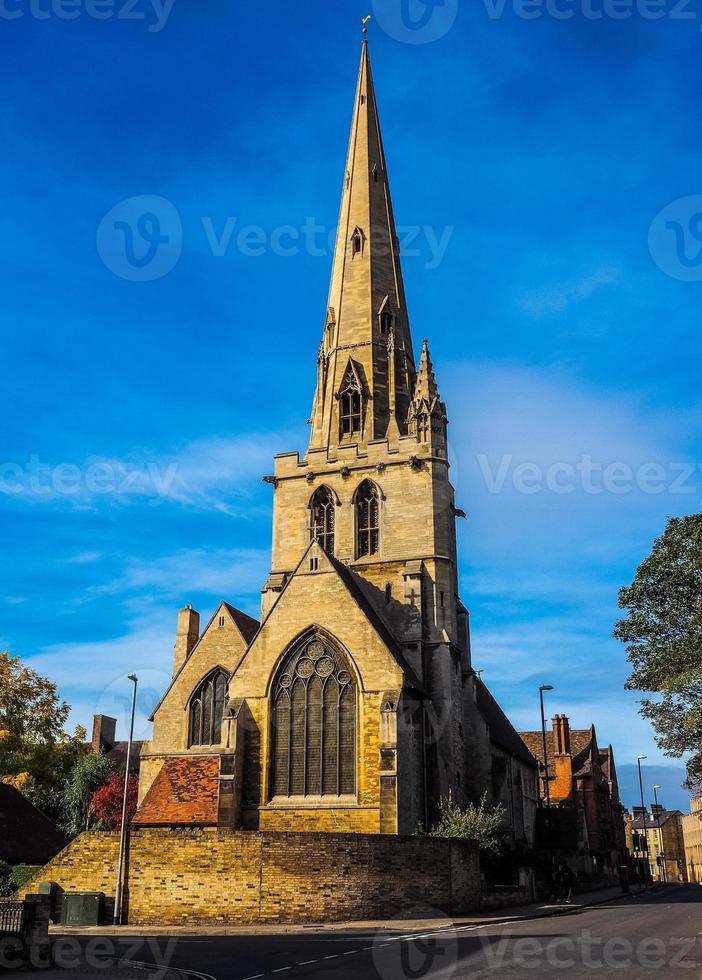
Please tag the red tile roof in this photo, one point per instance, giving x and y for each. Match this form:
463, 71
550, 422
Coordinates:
185, 793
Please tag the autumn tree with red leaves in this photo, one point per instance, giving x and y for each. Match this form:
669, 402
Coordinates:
106, 802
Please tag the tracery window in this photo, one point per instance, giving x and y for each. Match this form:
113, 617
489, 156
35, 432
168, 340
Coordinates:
314, 723
322, 519
207, 710
350, 404
367, 519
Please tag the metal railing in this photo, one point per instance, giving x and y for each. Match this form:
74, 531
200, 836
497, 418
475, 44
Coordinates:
13, 918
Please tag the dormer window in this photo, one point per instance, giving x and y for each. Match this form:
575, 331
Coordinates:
357, 242
385, 317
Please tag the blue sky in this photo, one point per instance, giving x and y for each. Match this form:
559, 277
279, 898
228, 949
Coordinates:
139, 416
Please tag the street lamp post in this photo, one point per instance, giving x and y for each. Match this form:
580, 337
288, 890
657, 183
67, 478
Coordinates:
660, 835
546, 687
123, 829
647, 869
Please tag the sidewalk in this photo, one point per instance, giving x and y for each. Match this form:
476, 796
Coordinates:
536, 910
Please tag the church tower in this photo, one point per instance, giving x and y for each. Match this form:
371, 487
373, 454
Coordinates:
352, 706
373, 487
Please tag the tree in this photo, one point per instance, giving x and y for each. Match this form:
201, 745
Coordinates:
36, 754
89, 774
480, 824
106, 802
662, 631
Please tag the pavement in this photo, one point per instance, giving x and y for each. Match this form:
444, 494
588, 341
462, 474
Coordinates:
657, 933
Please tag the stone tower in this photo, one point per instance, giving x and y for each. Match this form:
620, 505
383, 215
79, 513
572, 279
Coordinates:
352, 706
373, 486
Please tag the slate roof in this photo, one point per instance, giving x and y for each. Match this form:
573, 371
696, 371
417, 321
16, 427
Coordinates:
653, 822
27, 836
248, 626
185, 793
501, 730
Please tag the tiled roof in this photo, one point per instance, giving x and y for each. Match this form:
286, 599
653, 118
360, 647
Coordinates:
248, 626
652, 822
580, 742
27, 836
185, 793
501, 730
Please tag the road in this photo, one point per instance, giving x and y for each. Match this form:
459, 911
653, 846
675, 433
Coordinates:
655, 934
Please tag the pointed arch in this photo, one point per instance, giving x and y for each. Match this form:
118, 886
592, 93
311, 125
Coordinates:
357, 239
367, 508
206, 709
313, 720
386, 317
322, 518
350, 403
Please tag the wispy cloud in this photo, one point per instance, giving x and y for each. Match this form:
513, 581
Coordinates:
554, 299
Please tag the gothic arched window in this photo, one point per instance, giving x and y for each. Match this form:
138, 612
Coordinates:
322, 519
207, 710
350, 405
313, 733
367, 520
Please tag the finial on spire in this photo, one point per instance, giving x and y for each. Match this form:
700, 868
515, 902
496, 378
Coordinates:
364, 21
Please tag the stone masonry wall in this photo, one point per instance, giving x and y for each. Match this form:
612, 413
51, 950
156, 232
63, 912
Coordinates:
209, 877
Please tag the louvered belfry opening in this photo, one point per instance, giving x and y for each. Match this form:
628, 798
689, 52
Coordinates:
207, 710
314, 723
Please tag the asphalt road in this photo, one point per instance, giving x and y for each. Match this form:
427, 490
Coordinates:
657, 934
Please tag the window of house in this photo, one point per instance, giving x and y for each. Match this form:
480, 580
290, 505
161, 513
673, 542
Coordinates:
207, 710
322, 520
314, 723
385, 321
356, 242
367, 519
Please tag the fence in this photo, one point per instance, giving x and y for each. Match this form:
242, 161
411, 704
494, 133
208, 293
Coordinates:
14, 918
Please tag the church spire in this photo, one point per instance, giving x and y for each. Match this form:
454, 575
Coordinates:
365, 366
427, 413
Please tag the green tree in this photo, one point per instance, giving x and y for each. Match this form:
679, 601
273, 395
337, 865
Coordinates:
36, 754
480, 824
662, 630
89, 774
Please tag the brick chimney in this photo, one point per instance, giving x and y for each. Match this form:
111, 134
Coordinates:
187, 636
104, 731
561, 735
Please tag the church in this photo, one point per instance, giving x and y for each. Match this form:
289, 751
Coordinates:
352, 706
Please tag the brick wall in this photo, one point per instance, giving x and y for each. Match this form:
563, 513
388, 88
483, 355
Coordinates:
209, 876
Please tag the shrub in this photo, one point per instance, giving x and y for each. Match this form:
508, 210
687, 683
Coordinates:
480, 824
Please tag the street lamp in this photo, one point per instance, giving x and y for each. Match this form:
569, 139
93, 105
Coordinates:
123, 829
660, 835
545, 687
647, 868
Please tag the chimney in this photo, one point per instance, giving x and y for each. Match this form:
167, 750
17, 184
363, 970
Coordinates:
104, 729
638, 812
187, 636
561, 735
657, 808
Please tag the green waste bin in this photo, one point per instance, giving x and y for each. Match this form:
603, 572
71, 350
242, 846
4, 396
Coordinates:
82, 908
